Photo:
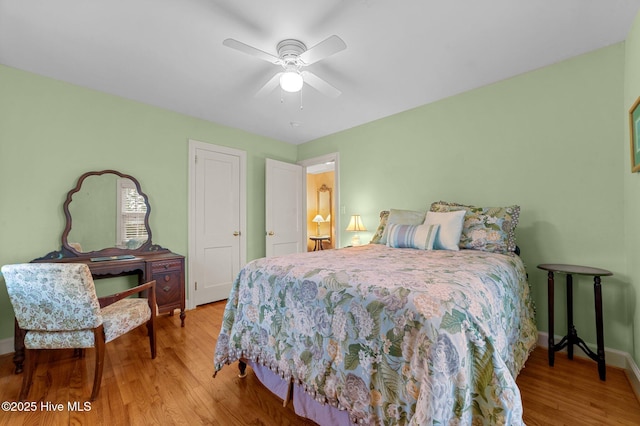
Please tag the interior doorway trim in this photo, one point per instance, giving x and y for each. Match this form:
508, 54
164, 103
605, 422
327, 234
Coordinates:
327, 158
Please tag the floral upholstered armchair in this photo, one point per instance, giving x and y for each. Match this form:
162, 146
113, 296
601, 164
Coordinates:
56, 305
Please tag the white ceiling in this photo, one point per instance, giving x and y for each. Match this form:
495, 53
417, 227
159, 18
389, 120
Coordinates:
400, 53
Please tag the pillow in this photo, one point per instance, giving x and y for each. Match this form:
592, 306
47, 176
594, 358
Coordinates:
485, 228
448, 237
384, 216
419, 237
402, 217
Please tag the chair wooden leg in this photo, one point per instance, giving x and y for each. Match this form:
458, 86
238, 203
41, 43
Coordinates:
27, 375
151, 329
99, 338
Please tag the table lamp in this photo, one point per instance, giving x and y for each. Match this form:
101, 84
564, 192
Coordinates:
355, 225
318, 220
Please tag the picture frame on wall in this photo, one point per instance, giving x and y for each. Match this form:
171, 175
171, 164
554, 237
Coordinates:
634, 135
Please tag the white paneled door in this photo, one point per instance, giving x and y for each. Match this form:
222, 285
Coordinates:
217, 220
284, 208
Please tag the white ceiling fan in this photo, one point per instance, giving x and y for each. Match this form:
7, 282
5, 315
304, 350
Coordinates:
293, 56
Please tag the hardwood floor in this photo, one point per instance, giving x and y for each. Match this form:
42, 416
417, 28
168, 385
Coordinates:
177, 388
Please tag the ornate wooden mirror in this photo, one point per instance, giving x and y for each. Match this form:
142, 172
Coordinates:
107, 214
324, 210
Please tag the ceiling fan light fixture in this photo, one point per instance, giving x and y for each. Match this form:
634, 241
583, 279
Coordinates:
291, 81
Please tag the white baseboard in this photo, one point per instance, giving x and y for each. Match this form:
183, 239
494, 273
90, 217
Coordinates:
6, 346
613, 358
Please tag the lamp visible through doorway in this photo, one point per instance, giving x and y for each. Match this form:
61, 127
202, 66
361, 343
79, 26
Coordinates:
355, 225
318, 220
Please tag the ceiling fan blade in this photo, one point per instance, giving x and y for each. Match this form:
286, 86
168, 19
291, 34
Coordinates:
250, 50
324, 49
269, 85
319, 84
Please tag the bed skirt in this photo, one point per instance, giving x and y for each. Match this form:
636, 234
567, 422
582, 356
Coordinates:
303, 404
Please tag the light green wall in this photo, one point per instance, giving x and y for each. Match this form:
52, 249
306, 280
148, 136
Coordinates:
632, 183
547, 140
52, 132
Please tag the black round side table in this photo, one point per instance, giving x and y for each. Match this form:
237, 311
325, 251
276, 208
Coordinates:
572, 335
318, 241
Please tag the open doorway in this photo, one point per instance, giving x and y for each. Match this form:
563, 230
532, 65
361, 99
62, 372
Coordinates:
322, 220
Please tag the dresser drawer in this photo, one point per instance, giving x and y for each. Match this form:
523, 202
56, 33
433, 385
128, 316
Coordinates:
168, 273
168, 288
166, 265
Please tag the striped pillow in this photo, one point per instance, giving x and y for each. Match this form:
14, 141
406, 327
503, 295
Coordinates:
419, 237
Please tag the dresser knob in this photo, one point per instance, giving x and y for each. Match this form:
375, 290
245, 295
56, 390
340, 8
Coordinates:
167, 278
166, 288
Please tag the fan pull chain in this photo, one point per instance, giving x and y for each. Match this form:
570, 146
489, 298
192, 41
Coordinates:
300, 99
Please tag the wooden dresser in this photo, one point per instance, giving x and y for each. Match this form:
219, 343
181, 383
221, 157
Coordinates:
165, 267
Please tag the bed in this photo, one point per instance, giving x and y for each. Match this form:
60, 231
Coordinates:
383, 334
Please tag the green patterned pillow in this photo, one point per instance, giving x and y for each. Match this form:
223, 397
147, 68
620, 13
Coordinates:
377, 237
485, 228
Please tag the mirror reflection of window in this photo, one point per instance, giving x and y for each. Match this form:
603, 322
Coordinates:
131, 232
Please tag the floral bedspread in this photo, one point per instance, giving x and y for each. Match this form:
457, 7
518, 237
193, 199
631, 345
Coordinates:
394, 336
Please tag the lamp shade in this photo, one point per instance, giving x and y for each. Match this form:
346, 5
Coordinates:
291, 81
317, 219
355, 224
